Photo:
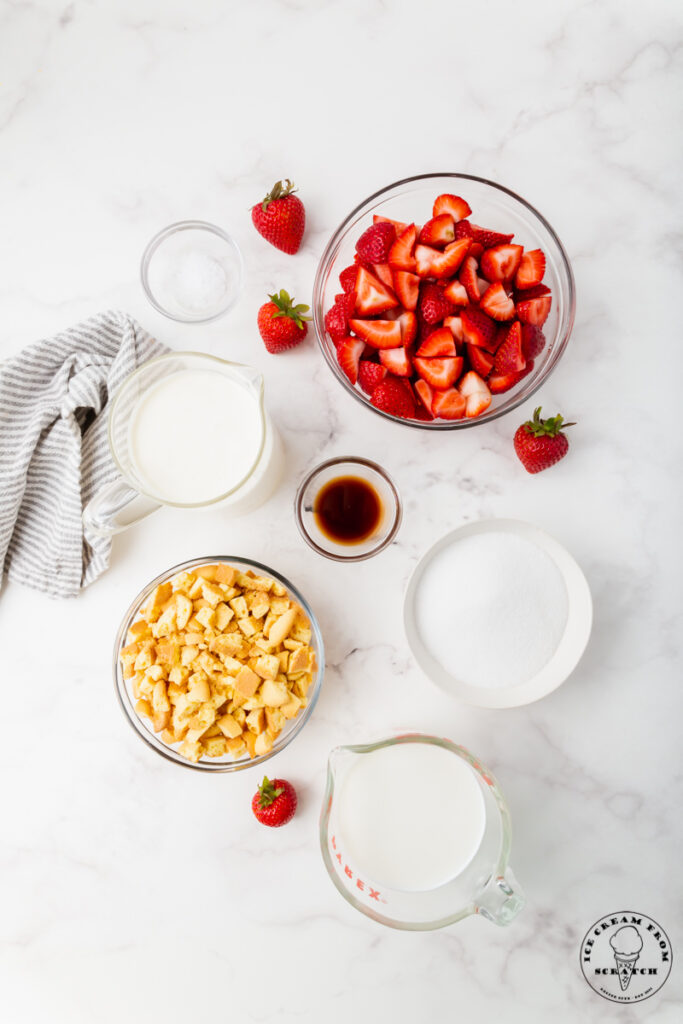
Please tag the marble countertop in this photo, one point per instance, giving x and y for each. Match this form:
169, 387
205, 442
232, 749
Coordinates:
131, 889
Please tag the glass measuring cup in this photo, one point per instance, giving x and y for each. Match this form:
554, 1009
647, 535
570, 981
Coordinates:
130, 498
486, 885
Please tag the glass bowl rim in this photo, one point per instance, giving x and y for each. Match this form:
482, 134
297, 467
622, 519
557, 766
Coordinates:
173, 229
125, 703
443, 425
353, 460
486, 777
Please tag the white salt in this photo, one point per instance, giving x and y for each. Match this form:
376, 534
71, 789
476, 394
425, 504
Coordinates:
199, 282
491, 609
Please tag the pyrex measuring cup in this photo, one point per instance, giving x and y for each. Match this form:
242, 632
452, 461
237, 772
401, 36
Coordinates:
485, 886
130, 498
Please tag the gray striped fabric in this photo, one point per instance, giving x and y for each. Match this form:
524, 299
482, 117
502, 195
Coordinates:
54, 453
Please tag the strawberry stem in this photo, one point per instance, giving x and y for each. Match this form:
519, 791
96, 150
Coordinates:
279, 190
550, 427
268, 792
285, 307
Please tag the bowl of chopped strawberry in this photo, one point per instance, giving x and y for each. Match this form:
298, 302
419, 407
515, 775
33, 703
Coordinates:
443, 301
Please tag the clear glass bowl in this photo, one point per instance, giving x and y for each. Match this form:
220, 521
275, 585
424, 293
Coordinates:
494, 207
144, 728
379, 480
192, 272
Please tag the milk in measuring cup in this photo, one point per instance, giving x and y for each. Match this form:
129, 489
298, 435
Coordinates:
412, 816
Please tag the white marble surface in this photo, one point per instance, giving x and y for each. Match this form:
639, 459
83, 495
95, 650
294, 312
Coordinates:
133, 890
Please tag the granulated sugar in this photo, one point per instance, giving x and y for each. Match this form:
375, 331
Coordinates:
491, 609
198, 280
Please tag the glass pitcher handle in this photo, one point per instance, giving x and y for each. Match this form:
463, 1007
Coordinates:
116, 507
501, 899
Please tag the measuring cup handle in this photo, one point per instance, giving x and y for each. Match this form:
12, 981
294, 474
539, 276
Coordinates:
501, 899
116, 507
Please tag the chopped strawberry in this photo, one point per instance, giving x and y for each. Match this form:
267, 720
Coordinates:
497, 303
454, 325
463, 229
500, 382
371, 295
408, 322
468, 278
531, 269
337, 316
457, 293
382, 272
477, 404
536, 292
401, 253
398, 224
488, 238
407, 288
394, 397
424, 259
478, 329
476, 394
480, 360
439, 343
535, 305
453, 205
370, 374
348, 356
434, 304
378, 333
438, 231
424, 393
374, 244
510, 357
444, 315
447, 262
347, 278
448, 404
533, 341
440, 373
396, 360
500, 262
421, 413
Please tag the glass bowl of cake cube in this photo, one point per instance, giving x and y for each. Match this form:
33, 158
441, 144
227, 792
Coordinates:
218, 663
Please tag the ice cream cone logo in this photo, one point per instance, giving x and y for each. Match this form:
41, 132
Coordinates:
626, 957
626, 944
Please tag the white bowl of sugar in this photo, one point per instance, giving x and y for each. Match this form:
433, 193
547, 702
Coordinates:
497, 613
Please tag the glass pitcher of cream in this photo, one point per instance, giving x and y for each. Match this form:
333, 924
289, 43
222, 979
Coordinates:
187, 430
415, 833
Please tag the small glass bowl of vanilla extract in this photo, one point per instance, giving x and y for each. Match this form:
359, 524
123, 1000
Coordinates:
348, 509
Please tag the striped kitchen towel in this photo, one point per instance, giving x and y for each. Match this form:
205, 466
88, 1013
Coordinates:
54, 452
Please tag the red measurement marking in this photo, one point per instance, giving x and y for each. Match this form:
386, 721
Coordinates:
373, 894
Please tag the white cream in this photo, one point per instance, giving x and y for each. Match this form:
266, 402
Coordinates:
411, 816
194, 435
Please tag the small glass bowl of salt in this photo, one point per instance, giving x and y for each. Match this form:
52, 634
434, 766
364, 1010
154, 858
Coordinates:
192, 272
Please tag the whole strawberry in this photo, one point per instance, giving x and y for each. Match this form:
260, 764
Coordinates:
275, 802
280, 218
282, 325
540, 443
